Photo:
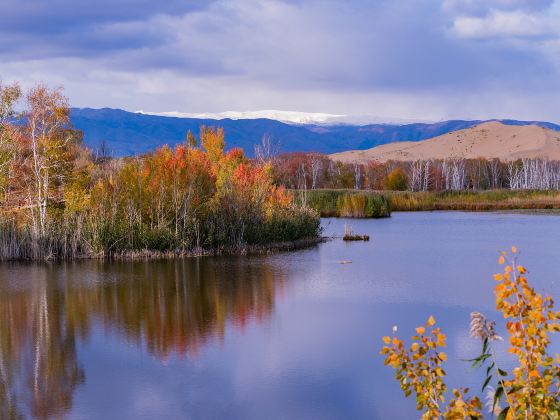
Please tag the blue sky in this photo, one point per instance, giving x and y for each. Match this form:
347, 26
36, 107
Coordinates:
417, 59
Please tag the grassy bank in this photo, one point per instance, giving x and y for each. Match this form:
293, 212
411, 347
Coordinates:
475, 200
346, 203
86, 236
352, 203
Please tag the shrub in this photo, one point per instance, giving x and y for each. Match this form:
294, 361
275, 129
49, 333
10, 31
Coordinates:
529, 391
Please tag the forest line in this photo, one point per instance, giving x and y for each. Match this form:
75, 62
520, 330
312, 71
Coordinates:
317, 171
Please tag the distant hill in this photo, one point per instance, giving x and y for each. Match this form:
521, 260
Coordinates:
487, 140
129, 133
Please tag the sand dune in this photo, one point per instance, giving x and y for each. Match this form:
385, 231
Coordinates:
488, 140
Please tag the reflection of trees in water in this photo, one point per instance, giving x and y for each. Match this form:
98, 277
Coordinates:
38, 361
171, 307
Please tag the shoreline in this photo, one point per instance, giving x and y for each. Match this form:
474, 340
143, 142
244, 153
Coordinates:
146, 254
245, 250
467, 200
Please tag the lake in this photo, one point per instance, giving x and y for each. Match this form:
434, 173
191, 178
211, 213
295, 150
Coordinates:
286, 336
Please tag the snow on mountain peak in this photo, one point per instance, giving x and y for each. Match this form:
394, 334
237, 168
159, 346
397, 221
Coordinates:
292, 117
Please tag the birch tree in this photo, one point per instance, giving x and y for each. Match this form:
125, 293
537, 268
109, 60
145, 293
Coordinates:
50, 137
266, 150
316, 167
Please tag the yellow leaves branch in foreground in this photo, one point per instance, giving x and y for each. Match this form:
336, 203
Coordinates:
530, 390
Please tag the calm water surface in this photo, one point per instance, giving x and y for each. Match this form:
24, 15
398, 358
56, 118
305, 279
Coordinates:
287, 336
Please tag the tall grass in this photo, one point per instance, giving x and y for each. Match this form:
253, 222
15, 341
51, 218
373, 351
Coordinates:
61, 241
86, 236
348, 203
352, 203
475, 200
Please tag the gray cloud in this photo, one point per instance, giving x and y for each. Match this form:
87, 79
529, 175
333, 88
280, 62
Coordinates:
55, 16
400, 58
61, 28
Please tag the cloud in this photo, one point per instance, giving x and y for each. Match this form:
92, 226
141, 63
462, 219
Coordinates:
419, 59
507, 24
61, 28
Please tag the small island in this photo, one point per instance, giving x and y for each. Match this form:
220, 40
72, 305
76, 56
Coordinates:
60, 200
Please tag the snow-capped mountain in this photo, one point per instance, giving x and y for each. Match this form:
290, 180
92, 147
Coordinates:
128, 133
293, 117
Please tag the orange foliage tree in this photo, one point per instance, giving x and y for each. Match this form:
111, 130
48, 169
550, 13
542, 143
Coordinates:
190, 197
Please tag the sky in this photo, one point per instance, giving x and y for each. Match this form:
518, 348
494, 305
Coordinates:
404, 59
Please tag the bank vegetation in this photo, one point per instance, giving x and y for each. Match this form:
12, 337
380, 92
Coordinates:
59, 200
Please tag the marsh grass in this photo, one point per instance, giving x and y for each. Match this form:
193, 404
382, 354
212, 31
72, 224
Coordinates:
355, 238
348, 203
475, 200
349, 235
352, 203
86, 236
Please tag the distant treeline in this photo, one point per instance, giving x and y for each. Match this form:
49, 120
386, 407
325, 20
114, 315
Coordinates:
60, 200
304, 171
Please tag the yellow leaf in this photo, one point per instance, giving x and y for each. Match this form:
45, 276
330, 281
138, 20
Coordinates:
534, 374
441, 340
431, 321
500, 288
420, 330
414, 347
395, 341
514, 249
443, 356
386, 339
498, 277
501, 260
521, 269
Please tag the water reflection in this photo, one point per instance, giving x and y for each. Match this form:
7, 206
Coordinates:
169, 307
290, 335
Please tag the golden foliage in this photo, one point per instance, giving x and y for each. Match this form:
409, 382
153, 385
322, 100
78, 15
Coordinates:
533, 387
419, 370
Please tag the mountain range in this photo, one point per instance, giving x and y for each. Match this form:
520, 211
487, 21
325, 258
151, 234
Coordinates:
128, 133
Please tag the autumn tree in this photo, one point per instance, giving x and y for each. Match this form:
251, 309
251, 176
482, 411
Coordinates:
266, 150
212, 141
191, 140
50, 140
396, 180
9, 96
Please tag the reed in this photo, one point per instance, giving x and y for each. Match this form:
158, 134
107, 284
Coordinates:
79, 236
349, 235
348, 203
356, 237
352, 203
475, 200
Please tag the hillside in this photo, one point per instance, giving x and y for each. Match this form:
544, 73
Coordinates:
129, 133
488, 140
